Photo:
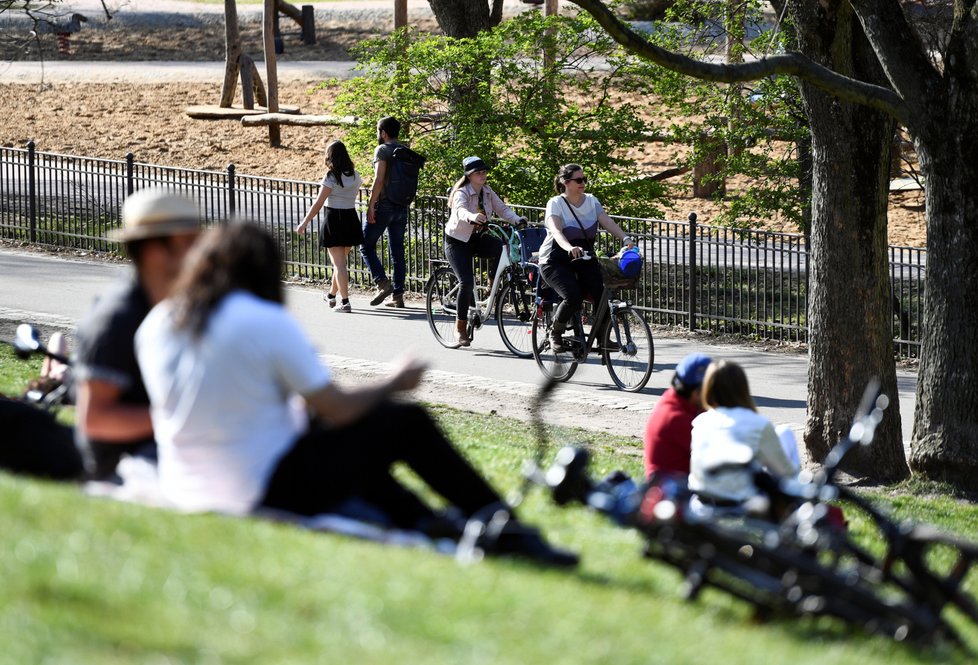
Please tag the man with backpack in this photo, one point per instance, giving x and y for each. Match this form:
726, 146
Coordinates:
395, 184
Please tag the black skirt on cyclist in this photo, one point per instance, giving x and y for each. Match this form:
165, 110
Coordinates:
341, 228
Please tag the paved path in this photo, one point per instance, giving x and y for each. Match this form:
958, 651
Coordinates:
486, 378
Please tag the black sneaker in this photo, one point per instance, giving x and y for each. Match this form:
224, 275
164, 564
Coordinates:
384, 289
503, 535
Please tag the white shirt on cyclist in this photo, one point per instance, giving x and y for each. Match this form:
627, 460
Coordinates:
588, 213
728, 435
224, 405
465, 209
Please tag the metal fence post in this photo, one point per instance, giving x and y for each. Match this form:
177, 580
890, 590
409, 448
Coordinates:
31, 191
130, 183
231, 194
692, 271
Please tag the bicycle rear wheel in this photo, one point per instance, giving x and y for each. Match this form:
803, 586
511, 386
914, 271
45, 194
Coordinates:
440, 306
629, 356
514, 316
559, 366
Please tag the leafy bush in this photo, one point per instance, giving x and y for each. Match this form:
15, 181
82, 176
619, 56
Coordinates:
496, 96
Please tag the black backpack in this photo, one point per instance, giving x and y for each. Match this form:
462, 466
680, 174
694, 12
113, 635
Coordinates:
403, 169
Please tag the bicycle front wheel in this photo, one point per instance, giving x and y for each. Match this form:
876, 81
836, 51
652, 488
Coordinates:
514, 316
629, 353
559, 366
441, 306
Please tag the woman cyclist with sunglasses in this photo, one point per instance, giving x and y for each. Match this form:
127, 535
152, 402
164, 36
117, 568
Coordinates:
572, 219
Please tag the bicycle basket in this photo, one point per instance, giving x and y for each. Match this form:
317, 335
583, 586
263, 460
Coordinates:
612, 275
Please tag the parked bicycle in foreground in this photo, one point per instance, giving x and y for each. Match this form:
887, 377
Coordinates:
617, 332
509, 297
786, 550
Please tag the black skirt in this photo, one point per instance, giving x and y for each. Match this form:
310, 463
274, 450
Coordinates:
341, 228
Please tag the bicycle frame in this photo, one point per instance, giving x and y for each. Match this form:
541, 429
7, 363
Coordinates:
482, 314
605, 309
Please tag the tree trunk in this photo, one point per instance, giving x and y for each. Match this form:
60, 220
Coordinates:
232, 49
466, 18
945, 435
850, 328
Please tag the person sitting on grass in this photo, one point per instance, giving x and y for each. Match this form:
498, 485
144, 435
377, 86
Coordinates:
225, 365
669, 429
729, 431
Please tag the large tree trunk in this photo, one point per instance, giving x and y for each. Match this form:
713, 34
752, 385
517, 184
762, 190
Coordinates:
945, 435
466, 18
850, 325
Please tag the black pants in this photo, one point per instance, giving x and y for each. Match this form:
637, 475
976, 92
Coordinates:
33, 443
328, 466
460, 255
573, 281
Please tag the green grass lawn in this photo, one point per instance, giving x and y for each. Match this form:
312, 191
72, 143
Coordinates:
86, 580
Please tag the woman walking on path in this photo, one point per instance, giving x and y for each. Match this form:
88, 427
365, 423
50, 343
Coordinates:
472, 202
341, 230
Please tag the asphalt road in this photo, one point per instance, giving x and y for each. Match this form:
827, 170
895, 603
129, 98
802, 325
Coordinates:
486, 378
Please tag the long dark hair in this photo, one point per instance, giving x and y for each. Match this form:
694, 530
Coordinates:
566, 171
228, 258
725, 384
338, 161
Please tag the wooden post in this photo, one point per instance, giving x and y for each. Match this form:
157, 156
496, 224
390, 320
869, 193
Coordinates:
308, 25
550, 8
271, 71
232, 50
400, 13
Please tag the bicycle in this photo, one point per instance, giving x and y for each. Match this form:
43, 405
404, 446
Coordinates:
624, 338
798, 560
510, 297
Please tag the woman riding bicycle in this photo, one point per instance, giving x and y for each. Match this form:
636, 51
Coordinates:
472, 202
573, 218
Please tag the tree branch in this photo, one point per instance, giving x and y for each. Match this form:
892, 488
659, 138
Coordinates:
793, 64
899, 50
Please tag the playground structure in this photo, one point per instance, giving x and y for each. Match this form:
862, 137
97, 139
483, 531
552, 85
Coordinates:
260, 104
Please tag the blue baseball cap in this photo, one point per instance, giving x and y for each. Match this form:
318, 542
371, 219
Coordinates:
692, 368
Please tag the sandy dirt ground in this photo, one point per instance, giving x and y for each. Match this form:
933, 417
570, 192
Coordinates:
146, 117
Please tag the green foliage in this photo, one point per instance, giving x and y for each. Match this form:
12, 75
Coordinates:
494, 96
767, 116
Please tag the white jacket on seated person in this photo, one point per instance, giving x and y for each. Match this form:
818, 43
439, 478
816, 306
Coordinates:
729, 435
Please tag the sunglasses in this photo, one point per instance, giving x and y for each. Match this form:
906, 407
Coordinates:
580, 181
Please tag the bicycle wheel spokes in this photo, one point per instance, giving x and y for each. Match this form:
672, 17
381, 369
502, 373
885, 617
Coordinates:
514, 316
560, 366
440, 306
629, 353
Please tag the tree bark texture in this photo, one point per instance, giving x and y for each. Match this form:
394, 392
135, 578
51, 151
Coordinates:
466, 18
945, 436
850, 316
943, 121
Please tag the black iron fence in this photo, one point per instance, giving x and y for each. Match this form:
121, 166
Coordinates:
698, 277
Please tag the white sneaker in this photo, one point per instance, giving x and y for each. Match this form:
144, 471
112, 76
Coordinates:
344, 307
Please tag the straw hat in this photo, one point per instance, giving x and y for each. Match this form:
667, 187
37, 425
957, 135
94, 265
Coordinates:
156, 213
